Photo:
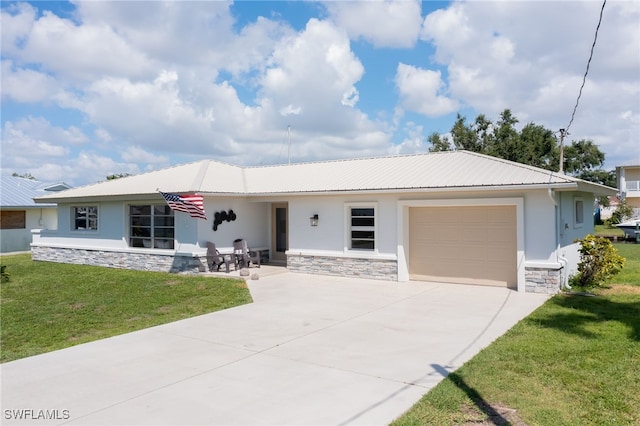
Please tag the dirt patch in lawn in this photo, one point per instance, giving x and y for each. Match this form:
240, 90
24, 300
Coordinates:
486, 414
621, 289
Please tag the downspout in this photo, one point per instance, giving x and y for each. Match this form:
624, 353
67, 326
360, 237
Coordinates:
564, 278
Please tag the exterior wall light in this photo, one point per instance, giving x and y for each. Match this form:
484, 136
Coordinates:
314, 220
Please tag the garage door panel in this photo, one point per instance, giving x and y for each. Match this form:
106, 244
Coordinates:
498, 214
463, 244
500, 235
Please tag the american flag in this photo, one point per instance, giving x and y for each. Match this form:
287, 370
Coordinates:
189, 203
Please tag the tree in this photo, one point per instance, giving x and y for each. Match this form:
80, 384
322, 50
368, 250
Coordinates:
118, 176
25, 175
539, 147
534, 145
464, 136
506, 140
603, 177
582, 156
438, 143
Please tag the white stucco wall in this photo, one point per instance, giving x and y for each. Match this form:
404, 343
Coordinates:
539, 227
330, 236
20, 239
540, 243
251, 224
537, 214
191, 233
569, 231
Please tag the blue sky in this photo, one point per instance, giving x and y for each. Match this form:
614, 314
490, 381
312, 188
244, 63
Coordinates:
95, 88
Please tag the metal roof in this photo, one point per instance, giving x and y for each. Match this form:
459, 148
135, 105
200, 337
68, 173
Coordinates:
20, 192
429, 171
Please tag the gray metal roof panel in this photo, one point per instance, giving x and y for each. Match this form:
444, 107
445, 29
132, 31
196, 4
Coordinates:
435, 170
20, 192
442, 170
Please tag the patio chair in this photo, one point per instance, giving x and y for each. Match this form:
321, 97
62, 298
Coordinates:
215, 259
244, 256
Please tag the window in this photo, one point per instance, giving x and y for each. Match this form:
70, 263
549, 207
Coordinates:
363, 234
85, 218
579, 212
13, 219
151, 226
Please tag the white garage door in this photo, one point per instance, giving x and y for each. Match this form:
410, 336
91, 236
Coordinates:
474, 245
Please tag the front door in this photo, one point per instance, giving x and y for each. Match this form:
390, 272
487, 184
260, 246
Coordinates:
279, 232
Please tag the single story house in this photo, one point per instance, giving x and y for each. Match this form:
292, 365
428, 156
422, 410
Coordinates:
629, 183
449, 216
19, 213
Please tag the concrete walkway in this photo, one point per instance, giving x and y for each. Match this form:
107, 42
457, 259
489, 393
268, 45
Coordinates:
310, 350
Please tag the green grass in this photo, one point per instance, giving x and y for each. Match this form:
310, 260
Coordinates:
607, 231
630, 274
574, 361
47, 306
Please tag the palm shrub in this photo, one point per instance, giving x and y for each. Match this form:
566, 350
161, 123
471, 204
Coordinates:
599, 261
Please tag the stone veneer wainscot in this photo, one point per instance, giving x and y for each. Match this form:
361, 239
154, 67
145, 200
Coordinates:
537, 280
380, 269
543, 280
160, 262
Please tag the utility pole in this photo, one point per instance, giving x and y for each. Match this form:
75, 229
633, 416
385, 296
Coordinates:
563, 132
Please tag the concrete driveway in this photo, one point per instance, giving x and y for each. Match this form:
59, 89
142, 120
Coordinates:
309, 350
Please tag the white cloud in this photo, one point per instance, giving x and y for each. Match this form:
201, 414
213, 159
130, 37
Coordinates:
134, 154
421, 91
81, 51
157, 115
394, 23
414, 142
316, 71
290, 110
38, 128
23, 151
26, 85
495, 60
162, 82
16, 22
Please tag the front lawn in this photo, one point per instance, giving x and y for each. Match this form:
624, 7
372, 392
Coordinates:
574, 361
607, 231
47, 306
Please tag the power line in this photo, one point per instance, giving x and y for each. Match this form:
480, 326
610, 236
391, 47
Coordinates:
564, 132
584, 79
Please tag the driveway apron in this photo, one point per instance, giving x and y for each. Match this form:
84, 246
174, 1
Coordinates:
312, 350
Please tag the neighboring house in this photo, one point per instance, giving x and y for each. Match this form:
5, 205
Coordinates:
19, 213
629, 184
450, 217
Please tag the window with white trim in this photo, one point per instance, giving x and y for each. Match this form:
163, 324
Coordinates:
151, 226
578, 212
362, 231
85, 218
